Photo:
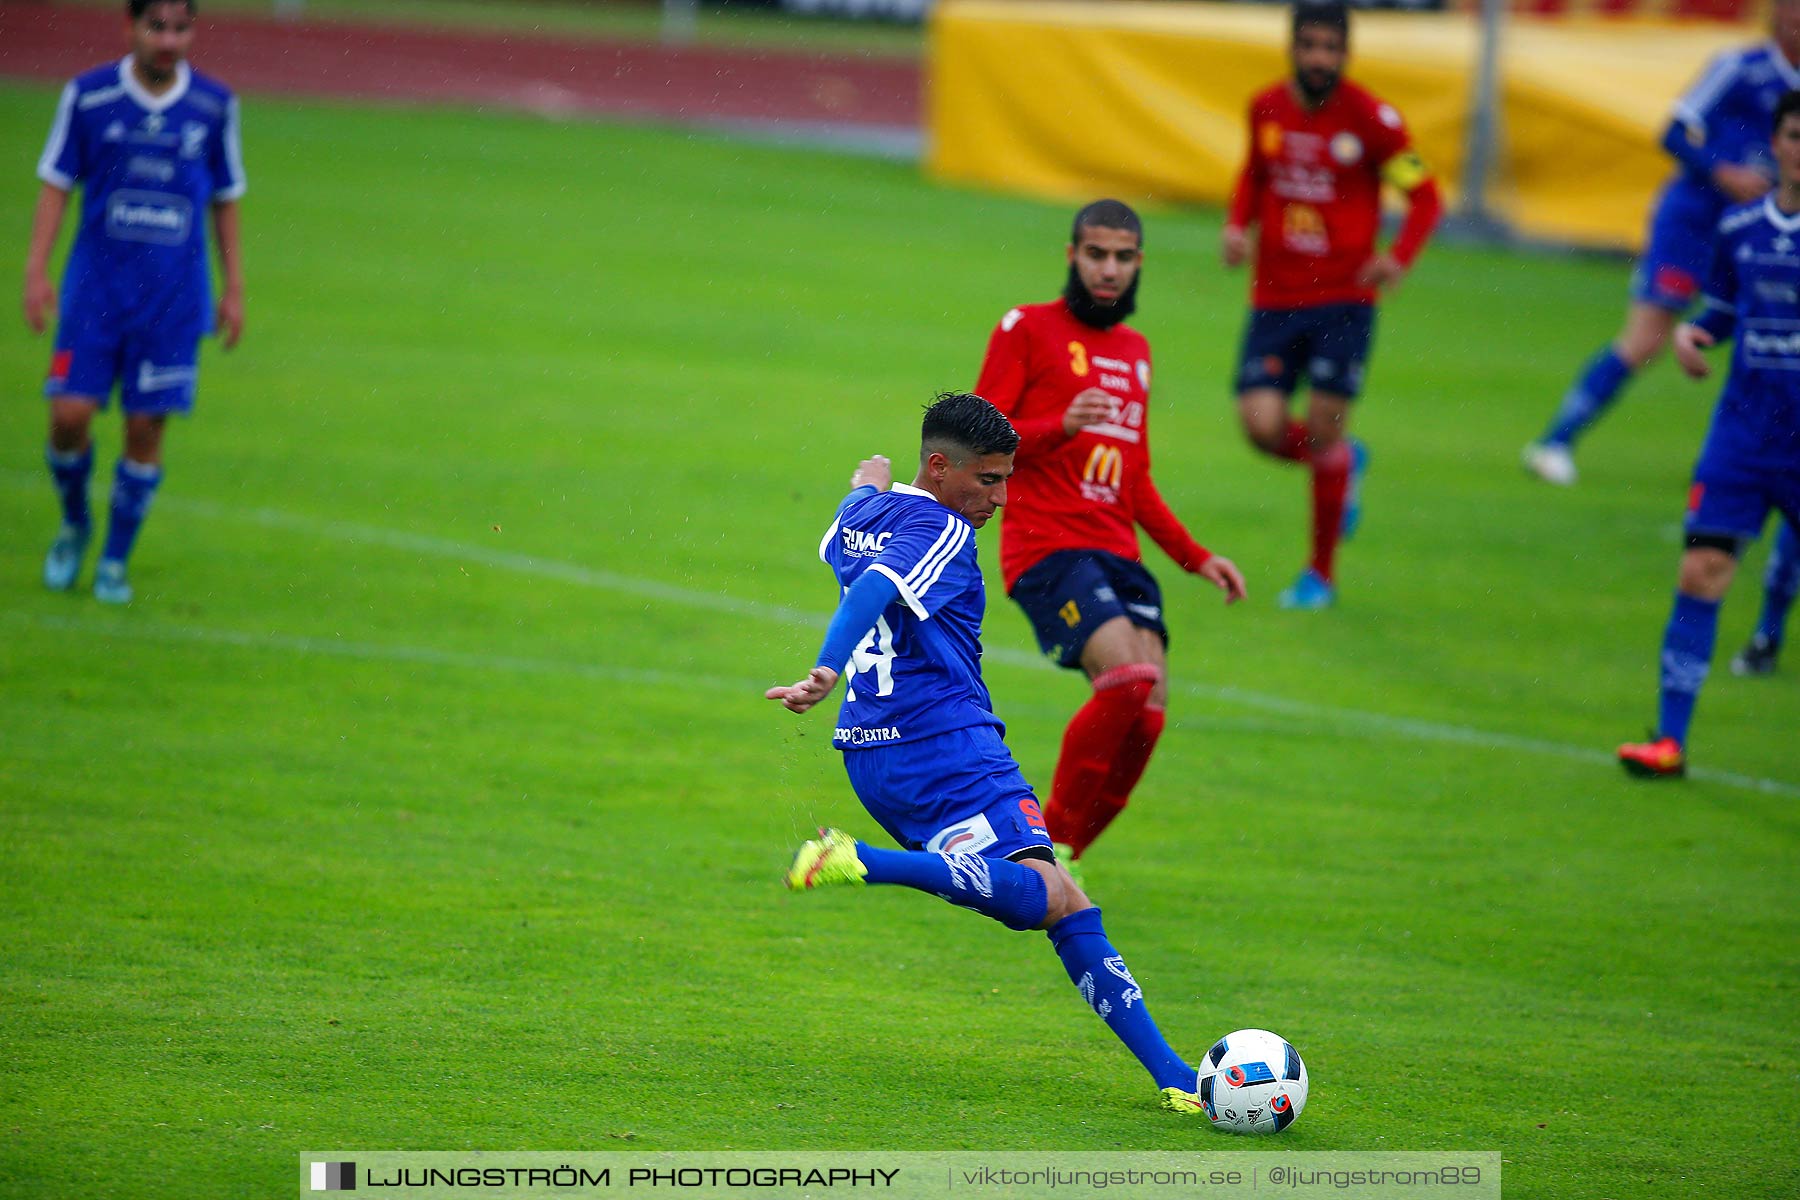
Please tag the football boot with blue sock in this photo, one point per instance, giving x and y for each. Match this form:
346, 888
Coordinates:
110, 584
63, 563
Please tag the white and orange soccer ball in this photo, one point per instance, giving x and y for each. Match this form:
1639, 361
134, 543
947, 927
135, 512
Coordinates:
1252, 1081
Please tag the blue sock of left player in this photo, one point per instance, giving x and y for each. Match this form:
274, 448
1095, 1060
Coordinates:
1686, 657
70, 473
1780, 584
1100, 975
134, 484
1597, 388
1011, 893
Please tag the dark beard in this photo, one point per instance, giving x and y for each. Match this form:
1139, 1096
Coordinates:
1318, 97
1100, 316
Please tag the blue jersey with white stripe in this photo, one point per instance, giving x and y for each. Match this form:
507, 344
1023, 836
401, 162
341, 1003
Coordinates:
149, 168
918, 672
1726, 117
1754, 295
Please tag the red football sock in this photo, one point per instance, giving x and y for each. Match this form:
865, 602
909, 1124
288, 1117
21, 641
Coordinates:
1331, 485
1133, 757
1091, 745
1296, 443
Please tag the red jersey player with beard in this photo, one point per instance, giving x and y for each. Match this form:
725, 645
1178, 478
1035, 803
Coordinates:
1075, 382
1321, 149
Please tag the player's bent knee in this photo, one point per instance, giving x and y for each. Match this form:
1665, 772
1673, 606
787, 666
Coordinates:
1706, 570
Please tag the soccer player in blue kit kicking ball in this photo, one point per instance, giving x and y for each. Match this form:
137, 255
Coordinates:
921, 743
1750, 462
153, 145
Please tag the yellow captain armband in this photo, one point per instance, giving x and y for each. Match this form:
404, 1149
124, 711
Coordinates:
1406, 170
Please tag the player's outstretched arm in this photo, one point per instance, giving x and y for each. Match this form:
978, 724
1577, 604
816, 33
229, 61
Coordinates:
40, 293
1691, 343
802, 695
1224, 574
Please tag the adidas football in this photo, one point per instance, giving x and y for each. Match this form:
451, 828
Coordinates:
1252, 1081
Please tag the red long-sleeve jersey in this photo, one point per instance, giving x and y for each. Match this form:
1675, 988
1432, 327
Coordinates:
1086, 492
1313, 182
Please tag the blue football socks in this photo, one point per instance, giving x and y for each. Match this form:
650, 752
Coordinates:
1100, 975
1686, 656
1599, 385
134, 484
1781, 582
70, 473
1011, 893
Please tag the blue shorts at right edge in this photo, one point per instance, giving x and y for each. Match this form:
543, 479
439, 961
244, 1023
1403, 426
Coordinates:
1678, 255
1730, 504
1328, 344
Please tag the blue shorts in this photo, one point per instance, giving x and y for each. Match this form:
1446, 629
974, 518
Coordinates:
155, 368
1329, 344
1729, 507
1073, 592
957, 792
1678, 255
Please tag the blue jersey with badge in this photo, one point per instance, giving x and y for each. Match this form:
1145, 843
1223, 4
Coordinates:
918, 672
1726, 117
1754, 295
149, 167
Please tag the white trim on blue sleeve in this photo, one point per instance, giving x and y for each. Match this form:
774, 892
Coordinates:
906, 593
59, 138
1698, 100
234, 157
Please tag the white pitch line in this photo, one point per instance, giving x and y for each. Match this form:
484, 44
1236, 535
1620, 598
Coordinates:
153, 631
1409, 728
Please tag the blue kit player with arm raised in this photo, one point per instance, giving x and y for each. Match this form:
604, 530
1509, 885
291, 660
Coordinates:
1719, 137
153, 145
921, 743
1750, 461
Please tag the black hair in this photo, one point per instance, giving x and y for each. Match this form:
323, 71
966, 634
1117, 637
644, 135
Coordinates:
1106, 214
961, 426
1332, 14
1787, 106
136, 8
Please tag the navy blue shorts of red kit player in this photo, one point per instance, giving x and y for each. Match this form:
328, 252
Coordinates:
1071, 593
1328, 344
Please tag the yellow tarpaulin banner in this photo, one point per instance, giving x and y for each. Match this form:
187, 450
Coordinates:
1148, 100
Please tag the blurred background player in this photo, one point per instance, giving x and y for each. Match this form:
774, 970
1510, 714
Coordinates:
1750, 461
1075, 382
154, 146
1781, 582
922, 746
1320, 150
1719, 138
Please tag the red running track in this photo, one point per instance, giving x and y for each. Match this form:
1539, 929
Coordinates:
529, 71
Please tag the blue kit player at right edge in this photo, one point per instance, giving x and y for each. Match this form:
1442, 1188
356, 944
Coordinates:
153, 146
921, 744
1719, 138
1750, 462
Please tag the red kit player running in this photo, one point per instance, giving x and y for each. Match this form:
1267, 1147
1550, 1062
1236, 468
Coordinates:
1075, 382
1320, 150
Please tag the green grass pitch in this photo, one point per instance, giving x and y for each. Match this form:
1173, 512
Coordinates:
426, 798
